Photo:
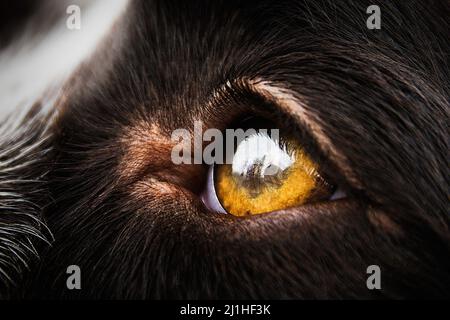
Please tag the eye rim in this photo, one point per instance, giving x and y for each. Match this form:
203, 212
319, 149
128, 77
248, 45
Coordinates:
251, 98
211, 200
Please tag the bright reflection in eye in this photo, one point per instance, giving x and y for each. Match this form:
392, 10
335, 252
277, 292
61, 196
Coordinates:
260, 155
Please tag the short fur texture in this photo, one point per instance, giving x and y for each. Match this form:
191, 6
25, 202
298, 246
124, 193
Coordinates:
132, 220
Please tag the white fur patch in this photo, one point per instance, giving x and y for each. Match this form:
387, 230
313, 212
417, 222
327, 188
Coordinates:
31, 66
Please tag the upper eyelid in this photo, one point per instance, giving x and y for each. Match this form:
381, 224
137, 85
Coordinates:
291, 103
258, 97
288, 106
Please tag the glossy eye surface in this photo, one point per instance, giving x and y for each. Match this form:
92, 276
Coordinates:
266, 175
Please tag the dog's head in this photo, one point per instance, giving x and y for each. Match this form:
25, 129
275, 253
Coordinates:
370, 107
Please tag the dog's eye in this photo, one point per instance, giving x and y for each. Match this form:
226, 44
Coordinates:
266, 174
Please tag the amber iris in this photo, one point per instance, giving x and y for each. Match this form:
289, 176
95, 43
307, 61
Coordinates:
268, 175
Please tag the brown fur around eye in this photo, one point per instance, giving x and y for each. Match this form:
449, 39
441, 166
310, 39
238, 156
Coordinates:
93, 184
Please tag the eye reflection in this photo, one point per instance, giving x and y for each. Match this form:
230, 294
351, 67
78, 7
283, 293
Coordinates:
260, 157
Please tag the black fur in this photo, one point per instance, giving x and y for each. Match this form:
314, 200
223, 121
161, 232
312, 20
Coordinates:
381, 97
